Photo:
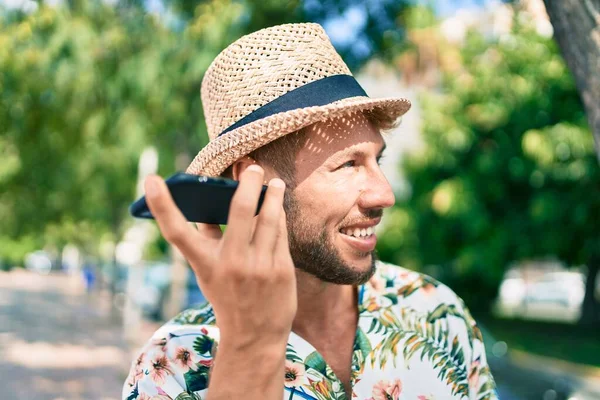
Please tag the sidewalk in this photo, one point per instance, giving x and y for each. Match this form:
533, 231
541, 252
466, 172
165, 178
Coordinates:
586, 377
57, 342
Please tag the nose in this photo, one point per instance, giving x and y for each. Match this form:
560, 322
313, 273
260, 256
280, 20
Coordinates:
377, 192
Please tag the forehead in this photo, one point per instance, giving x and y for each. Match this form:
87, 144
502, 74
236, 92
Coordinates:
354, 132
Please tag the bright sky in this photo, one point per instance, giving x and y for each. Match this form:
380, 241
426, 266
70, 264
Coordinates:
443, 7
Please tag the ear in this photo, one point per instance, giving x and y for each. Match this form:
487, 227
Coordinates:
240, 166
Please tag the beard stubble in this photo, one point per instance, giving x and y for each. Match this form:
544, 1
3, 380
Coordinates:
313, 251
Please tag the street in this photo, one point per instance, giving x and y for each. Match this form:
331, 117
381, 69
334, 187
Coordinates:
59, 343
56, 342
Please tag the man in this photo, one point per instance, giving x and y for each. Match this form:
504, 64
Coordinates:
299, 308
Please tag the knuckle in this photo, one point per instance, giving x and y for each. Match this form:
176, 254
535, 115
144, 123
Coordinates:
242, 205
268, 220
238, 275
261, 275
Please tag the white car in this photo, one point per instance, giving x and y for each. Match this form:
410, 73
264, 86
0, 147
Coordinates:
556, 296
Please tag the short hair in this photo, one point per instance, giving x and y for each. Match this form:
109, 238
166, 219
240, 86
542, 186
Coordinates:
280, 154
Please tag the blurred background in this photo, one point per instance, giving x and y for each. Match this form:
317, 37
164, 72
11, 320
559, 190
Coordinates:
495, 168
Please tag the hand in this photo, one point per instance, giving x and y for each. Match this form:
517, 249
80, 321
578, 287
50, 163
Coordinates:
247, 273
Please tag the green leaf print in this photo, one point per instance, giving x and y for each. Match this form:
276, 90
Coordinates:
457, 352
362, 343
315, 361
392, 296
376, 326
427, 335
486, 390
442, 311
188, 396
291, 354
417, 284
197, 380
202, 314
134, 393
203, 345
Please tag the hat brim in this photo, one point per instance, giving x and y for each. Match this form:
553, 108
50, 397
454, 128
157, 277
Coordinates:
224, 150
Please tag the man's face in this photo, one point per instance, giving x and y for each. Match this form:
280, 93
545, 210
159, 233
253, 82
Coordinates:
338, 200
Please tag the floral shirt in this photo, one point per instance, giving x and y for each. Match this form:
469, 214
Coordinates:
415, 340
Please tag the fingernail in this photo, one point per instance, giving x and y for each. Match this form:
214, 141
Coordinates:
151, 187
276, 182
255, 168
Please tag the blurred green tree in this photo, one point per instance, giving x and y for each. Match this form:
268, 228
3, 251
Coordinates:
86, 86
85, 89
507, 171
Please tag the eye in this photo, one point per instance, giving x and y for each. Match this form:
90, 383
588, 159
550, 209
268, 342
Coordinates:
348, 164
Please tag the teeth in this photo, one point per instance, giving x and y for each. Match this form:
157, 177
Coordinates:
356, 232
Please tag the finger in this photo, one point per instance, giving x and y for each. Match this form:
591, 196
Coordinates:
243, 209
209, 230
282, 246
267, 227
173, 225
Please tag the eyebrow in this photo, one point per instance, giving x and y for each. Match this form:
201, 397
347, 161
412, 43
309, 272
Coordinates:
358, 153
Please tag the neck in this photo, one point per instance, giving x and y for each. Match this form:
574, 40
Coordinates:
323, 307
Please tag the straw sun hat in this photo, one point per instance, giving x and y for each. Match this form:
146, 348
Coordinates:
273, 82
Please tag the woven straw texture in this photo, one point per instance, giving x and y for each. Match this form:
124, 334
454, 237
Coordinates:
255, 70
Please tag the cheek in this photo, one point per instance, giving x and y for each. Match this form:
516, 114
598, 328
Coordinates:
345, 190
329, 202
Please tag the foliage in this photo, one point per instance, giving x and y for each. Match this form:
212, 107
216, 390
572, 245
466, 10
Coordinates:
507, 170
83, 92
369, 29
86, 86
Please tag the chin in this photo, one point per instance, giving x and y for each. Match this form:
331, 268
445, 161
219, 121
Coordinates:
361, 264
359, 260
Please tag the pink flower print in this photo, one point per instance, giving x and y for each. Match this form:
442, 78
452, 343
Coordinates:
185, 359
404, 275
384, 390
140, 360
159, 369
294, 373
160, 342
425, 397
143, 396
137, 372
474, 374
428, 289
207, 363
377, 284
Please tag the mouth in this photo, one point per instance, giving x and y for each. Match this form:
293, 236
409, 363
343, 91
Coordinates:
362, 236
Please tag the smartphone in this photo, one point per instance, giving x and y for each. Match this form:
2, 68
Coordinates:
200, 198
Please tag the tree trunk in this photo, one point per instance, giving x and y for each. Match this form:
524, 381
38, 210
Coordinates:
576, 26
590, 309
179, 270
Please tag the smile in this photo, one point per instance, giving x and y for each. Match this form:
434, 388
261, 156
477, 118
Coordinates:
361, 237
357, 232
